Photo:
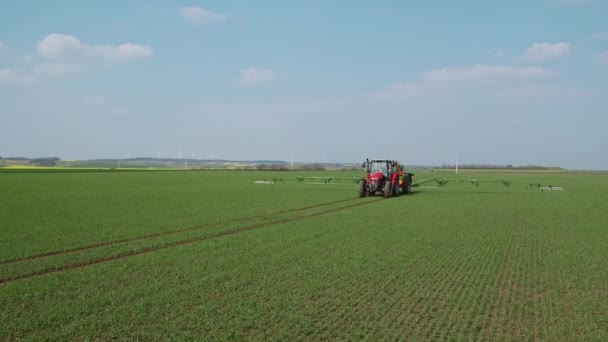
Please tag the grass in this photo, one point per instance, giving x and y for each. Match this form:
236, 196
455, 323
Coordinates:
211, 255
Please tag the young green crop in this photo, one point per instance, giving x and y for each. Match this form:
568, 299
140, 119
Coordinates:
293, 261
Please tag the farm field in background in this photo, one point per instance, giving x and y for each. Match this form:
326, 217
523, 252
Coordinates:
211, 255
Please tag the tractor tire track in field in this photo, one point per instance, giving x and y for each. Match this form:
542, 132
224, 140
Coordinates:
151, 249
176, 231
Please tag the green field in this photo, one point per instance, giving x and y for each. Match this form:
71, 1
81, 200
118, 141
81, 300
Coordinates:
209, 255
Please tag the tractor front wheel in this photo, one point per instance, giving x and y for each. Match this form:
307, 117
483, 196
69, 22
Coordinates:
362, 188
388, 189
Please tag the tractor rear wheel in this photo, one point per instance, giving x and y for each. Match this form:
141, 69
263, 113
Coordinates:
388, 189
408, 186
362, 188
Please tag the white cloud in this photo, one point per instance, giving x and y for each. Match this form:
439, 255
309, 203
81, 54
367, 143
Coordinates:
252, 76
122, 53
598, 36
27, 74
539, 92
603, 56
15, 77
61, 55
497, 81
542, 51
58, 46
485, 73
198, 16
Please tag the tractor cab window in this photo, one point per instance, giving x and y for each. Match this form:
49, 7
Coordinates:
382, 167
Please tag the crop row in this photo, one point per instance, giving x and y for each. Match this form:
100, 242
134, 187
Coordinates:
96, 253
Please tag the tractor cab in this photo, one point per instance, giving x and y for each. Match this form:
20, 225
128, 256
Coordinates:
380, 167
377, 170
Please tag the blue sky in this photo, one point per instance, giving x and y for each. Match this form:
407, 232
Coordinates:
505, 82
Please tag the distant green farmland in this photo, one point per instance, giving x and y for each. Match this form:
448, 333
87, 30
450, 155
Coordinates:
184, 255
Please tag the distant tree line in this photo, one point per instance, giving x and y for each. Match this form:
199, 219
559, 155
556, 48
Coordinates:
272, 167
43, 161
499, 167
285, 167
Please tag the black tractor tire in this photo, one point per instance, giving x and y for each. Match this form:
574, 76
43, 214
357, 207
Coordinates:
362, 188
396, 188
388, 189
408, 186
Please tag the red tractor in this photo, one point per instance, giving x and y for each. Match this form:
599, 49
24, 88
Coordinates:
385, 176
